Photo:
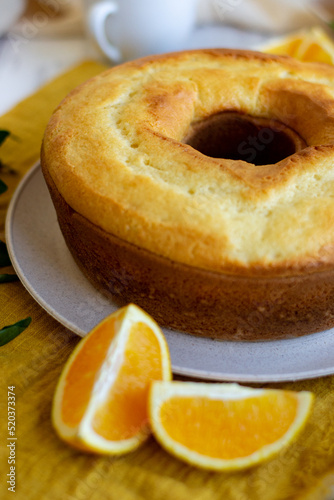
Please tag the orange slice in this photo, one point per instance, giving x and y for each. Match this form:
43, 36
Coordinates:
313, 45
100, 403
225, 426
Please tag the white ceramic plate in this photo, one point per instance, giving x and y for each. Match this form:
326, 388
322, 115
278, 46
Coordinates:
48, 271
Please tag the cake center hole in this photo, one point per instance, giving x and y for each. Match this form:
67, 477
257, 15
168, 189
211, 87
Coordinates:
241, 137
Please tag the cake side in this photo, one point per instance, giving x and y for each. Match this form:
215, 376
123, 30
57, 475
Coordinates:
194, 300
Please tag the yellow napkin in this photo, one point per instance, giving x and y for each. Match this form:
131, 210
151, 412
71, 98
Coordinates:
48, 469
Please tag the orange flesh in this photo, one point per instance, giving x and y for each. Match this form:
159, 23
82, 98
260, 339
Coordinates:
81, 376
124, 413
316, 53
288, 48
237, 427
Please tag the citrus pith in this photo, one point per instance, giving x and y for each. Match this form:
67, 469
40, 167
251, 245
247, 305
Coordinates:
100, 403
225, 426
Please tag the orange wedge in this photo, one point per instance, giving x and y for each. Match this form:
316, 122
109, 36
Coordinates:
313, 45
225, 426
100, 403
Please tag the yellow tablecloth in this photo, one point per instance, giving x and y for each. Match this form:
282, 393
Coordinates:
48, 469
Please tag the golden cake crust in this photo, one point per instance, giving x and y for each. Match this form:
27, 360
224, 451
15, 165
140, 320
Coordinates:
115, 150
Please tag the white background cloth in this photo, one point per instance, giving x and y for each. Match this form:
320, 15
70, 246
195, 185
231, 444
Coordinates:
271, 16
